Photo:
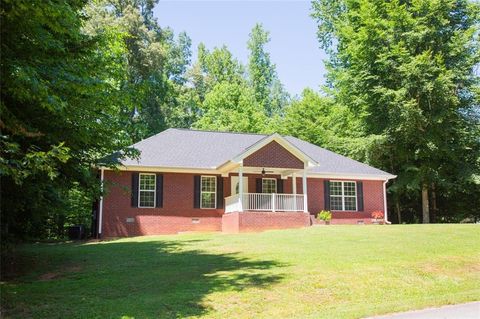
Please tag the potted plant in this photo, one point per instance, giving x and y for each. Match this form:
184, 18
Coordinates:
377, 217
325, 215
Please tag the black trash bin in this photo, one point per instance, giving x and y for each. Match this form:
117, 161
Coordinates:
76, 232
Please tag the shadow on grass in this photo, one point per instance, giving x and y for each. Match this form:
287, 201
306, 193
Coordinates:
160, 279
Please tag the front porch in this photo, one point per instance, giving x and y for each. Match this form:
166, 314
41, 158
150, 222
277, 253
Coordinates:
254, 208
262, 185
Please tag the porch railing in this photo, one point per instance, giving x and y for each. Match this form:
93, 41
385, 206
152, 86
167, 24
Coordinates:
264, 202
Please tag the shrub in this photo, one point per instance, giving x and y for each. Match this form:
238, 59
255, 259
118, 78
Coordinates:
378, 214
325, 215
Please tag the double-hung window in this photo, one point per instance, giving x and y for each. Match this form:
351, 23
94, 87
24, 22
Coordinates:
146, 190
343, 195
208, 196
269, 185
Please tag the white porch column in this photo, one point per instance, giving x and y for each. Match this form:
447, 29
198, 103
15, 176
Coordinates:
294, 191
240, 187
294, 184
305, 192
273, 202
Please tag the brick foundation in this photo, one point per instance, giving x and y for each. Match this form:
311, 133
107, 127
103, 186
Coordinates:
259, 221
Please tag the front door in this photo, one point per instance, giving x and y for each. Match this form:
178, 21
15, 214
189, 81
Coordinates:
235, 184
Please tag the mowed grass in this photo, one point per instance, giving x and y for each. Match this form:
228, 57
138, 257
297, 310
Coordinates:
316, 272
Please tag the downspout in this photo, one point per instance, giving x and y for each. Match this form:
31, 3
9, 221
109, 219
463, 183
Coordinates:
385, 202
100, 208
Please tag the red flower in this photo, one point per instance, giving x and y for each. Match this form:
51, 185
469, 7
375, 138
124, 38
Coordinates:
378, 214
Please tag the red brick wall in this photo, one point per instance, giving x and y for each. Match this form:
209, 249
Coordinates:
273, 155
260, 221
252, 182
372, 197
177, 212
230, 223
175, 216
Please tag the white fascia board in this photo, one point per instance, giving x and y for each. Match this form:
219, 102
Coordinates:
214, 171
133, 168
352, 176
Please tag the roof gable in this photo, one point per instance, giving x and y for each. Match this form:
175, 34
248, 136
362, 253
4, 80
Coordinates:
273, 155
280, 140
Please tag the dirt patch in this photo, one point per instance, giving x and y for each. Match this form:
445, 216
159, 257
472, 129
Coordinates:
49, 276
62, 273
451, 266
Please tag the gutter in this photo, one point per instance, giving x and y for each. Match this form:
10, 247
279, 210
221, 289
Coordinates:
385, 202
100, 209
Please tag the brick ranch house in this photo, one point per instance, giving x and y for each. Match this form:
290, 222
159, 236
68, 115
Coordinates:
187, 180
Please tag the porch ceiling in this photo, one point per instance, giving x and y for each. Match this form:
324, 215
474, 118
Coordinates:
284, 172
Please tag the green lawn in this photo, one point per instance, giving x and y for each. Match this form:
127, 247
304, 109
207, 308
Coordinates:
316, 272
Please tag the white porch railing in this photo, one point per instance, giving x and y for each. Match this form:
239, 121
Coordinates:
264, 202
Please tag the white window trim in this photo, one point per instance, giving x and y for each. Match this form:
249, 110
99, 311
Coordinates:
154, 191
215, 192
343, 196
274, 179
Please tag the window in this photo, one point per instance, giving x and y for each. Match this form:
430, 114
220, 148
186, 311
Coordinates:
343, 195
208, 196
146, 190
269, 185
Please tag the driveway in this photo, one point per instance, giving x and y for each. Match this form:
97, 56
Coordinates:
469, 310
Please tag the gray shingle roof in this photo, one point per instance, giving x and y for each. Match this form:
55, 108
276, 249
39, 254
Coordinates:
184, 148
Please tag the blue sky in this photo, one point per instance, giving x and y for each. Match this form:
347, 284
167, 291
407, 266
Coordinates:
293, 47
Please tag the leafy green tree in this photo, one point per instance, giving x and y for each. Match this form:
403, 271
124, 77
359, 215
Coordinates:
59, 103
268, 89
215, 67
156, 65
231, 107
319, 120
226, 101
406, 69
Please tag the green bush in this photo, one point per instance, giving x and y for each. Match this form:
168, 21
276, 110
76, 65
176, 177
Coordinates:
325, 215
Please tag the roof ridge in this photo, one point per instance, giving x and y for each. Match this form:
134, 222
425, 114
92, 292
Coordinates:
211, 131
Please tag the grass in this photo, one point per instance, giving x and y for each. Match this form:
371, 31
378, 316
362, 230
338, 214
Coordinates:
316, 272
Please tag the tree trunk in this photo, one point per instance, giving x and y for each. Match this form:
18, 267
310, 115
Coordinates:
434, 204
399, 212
425, 206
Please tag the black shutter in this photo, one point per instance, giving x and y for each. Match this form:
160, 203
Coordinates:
279, 186
135, 189
219, 192
326, 193
360, 196
196, 191
258, 185
159, 190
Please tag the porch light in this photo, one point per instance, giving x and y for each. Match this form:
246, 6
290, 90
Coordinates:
263, 171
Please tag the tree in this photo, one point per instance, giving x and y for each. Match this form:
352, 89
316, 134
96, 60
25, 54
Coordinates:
156, 65
59, 104
319, 120
226, 101
406, 69
231, 107
262, 73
